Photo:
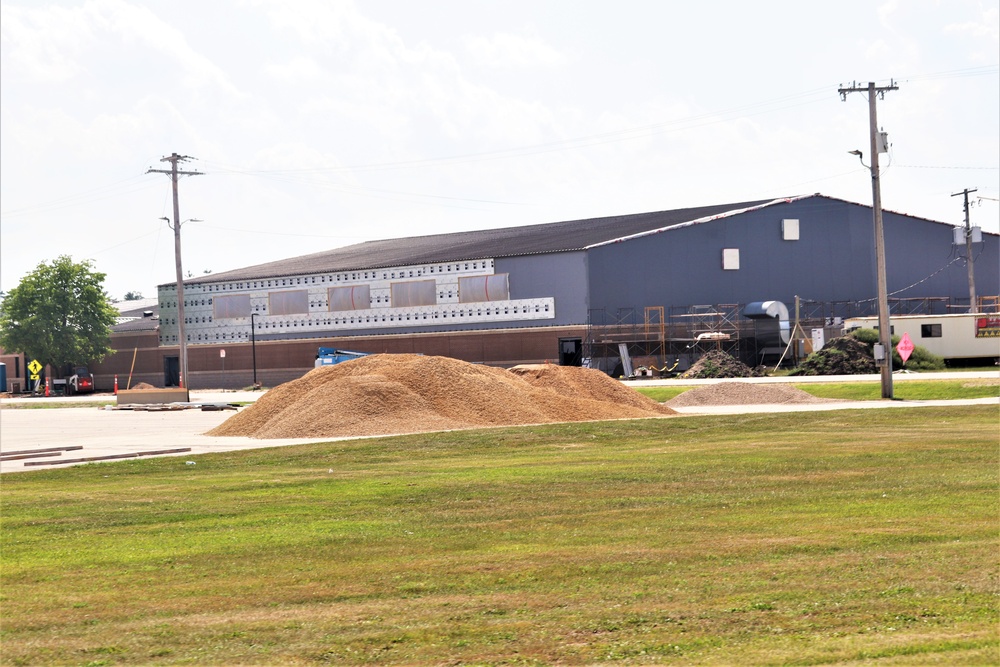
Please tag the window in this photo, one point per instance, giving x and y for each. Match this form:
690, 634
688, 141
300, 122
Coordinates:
484, 288
413, 293
350, 298
930, 330
234, 305
288, 303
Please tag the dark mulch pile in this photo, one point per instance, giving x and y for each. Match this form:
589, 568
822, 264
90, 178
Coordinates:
840, 356
718, 364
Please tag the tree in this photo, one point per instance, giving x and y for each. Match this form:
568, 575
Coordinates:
133, 296
59, 314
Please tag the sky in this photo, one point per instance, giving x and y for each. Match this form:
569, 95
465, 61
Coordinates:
316, 124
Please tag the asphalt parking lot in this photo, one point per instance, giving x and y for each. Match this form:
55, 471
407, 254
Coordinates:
101, 432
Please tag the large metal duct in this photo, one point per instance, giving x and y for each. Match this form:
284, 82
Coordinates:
772, 327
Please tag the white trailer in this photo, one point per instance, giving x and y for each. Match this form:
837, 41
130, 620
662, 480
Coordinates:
964, 336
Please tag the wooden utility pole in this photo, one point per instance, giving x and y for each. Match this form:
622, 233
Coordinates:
968, 252
174, 174
884, 335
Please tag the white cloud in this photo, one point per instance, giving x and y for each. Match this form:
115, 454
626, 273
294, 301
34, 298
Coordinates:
509, 50
41, 45
988, 25
49, 43
299, 70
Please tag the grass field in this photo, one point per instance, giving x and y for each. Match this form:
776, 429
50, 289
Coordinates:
911, 390
842, 537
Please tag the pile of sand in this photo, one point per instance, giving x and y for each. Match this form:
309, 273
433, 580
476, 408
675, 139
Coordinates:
142, 386
743, 393
405, 393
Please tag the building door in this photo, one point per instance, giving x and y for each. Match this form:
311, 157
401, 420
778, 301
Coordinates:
570, 351
171, 371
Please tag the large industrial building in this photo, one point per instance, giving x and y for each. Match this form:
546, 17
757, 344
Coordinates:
652, 289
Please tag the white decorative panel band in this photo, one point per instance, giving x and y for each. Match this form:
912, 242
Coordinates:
203, 329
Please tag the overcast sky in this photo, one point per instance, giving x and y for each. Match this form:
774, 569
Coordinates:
319, 123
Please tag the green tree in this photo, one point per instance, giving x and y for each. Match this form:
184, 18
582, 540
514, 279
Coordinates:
133, 296
59, 314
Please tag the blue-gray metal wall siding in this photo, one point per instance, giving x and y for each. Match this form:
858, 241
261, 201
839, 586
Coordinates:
833, 260
562, 275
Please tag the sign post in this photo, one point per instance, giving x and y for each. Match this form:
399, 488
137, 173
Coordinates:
34, 367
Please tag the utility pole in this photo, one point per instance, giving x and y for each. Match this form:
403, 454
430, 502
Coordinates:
884, 335
968, 251
174, 159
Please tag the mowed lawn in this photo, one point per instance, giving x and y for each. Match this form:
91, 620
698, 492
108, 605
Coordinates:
842, 537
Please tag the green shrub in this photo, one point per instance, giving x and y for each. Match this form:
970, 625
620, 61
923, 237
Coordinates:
920, 360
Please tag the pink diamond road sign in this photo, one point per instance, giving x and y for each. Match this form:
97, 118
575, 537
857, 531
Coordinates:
905, 347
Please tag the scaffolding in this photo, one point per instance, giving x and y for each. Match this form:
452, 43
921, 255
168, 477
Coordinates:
623, 344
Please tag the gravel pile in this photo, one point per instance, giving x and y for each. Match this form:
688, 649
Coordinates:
743, 393
404, 393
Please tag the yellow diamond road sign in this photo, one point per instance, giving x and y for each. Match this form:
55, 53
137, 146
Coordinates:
34, 367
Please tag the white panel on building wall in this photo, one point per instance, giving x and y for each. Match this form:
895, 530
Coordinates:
484, 288
350, 298
231, 305
295, 302
790, 229
731, 259
414, 293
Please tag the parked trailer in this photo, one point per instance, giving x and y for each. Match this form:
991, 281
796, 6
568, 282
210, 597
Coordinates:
964, 336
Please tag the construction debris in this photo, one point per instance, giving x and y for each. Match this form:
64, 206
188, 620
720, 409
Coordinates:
109, 457
172, 407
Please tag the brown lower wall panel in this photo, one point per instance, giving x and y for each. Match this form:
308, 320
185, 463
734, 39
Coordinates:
281, 361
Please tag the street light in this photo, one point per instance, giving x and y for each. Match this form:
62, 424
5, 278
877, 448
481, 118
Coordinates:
253, 348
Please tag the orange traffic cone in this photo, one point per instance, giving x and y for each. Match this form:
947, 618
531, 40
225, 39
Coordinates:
116, 384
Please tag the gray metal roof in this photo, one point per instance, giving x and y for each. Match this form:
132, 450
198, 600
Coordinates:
132, 316
483, 244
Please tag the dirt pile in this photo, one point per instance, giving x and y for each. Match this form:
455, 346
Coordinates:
718, 364
405, 393
743, 393
841, 356
142, 386
582, 383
